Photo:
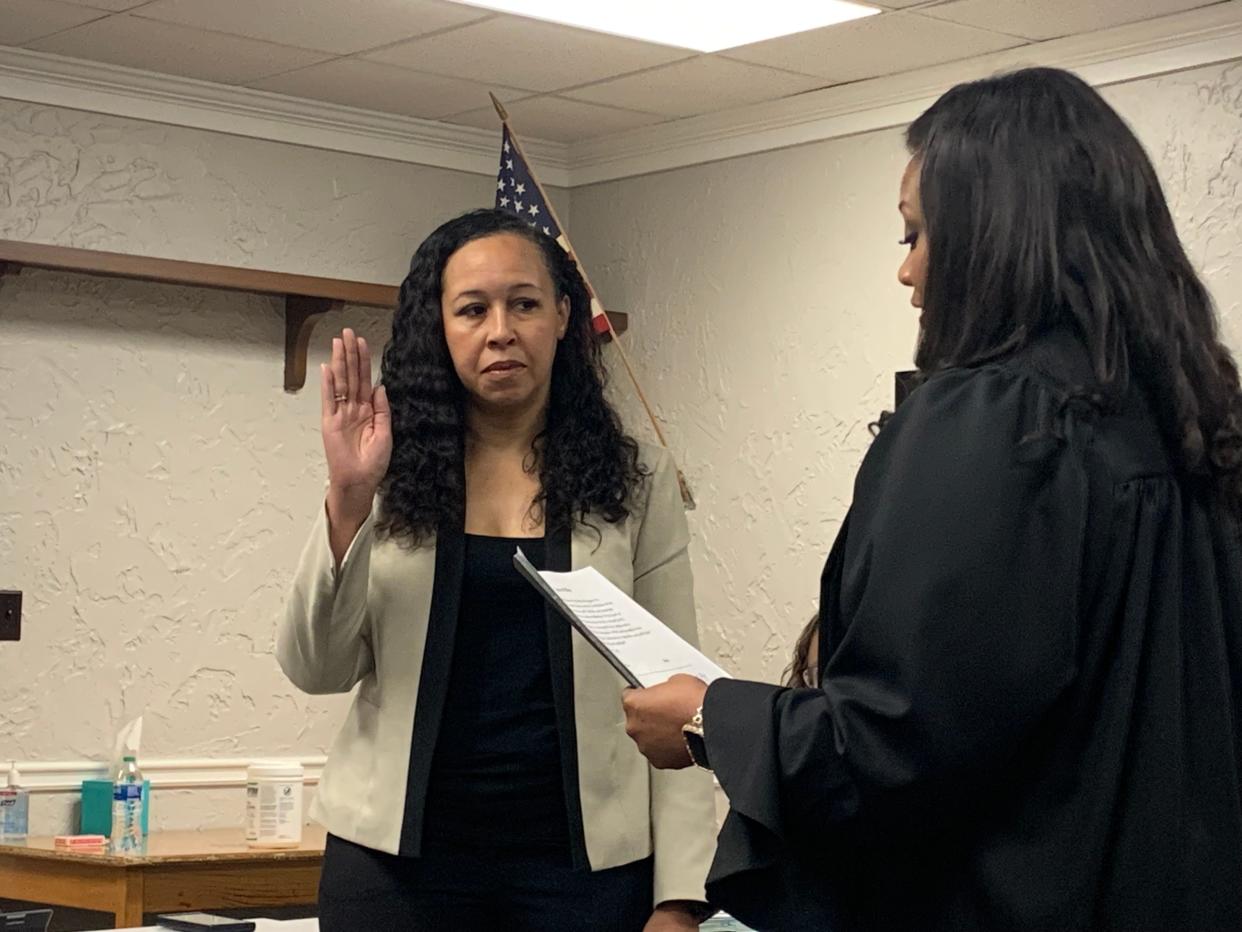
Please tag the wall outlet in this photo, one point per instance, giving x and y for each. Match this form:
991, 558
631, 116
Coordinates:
10, 615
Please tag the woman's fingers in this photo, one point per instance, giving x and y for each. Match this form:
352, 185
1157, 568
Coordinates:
349, 372
351, 365
339, 380
364, 370
327, 405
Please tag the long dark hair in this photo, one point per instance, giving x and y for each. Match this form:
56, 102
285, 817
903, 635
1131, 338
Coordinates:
803, 669
587, 464
1043, 210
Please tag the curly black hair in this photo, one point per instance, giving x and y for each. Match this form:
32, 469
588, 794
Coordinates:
587, 464
1043, 210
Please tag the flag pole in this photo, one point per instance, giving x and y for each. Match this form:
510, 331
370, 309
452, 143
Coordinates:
687, 496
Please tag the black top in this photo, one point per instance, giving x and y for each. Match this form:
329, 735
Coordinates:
1032, 683
431, 702
496, 780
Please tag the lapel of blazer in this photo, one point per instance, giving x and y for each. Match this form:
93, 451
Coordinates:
558, 547
434, 680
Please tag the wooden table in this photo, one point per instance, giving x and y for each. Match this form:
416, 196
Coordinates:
179, 871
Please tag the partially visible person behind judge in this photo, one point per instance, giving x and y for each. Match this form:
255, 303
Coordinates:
482, 778
1031, 693
803, 669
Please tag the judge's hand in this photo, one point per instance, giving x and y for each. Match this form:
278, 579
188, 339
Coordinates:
654, 716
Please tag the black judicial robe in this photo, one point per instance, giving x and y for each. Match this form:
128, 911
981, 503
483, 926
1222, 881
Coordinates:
1032, 683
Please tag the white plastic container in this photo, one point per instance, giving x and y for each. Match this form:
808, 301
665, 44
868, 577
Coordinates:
274, 805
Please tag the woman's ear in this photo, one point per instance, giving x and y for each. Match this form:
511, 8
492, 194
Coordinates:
562, 314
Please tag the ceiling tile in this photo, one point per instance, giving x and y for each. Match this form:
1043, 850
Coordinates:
338, 26
558, 119
875, 46
22, 21
163, 47
1050, 19
354, 82
112, 6
516, 52
700, 85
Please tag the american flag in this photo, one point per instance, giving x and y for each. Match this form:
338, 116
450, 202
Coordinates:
519, 193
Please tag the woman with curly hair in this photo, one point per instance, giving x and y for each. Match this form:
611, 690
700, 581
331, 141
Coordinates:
1029, 709
483, 778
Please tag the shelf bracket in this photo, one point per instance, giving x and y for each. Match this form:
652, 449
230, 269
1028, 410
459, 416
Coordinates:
301, 315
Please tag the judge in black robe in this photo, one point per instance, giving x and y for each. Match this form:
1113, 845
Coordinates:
1032, 640
1031, 649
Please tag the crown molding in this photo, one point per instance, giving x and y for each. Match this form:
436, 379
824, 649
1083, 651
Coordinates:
1205, 36
37, 77
1174, 43
171, 773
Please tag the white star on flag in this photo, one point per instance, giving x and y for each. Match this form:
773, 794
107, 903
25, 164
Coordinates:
517, 205
503, 202
500, 185
521, 189
534, 210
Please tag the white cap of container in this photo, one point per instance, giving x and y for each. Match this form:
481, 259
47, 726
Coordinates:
275, 770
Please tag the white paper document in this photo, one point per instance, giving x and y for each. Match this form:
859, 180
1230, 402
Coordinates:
634, 641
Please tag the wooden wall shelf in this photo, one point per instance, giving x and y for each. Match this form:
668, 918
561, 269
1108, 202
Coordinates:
306, 297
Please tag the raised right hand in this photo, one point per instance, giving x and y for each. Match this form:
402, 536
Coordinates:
357, 427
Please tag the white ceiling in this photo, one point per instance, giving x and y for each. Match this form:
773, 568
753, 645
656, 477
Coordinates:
437, 60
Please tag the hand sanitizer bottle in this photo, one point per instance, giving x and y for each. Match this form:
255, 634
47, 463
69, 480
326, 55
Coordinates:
14, 808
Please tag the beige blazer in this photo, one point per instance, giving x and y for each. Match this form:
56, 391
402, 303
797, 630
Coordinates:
366, 625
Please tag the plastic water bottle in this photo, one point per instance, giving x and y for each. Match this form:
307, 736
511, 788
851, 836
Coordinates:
127, 808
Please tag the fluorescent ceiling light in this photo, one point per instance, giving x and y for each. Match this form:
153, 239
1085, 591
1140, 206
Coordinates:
703, 25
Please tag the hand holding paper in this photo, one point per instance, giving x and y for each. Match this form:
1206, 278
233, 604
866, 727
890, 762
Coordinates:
654, 718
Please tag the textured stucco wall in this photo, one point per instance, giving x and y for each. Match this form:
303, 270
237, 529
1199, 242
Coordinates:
767, 322
156, 483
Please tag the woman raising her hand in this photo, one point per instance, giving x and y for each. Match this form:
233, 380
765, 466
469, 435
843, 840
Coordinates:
483, 778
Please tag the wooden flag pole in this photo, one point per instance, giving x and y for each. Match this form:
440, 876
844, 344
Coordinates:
687, 496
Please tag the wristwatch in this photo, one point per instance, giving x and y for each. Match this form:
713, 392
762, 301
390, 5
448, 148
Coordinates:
696, 746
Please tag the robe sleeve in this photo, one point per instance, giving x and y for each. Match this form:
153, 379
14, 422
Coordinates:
951, 607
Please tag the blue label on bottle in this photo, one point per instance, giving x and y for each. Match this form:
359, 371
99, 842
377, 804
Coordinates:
124, 792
